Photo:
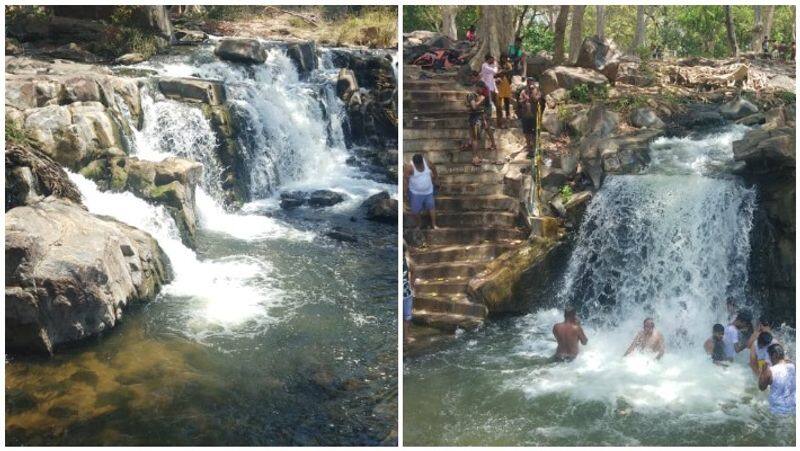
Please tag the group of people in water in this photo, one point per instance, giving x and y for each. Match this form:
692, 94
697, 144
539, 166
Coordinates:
768, 359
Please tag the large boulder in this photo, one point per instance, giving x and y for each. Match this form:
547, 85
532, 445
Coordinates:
325, 198
601, 122
189, 37
381, 208
192, 90
32, 175
601, 55
247, 51
538, 63
496, 286
570, 77
645, 118
170, 182
70, 274
766, 148
304, 56
737, 109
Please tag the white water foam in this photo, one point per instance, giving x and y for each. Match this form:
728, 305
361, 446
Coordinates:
670, 247
229, 291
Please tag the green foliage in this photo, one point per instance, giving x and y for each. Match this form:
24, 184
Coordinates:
421, 17
786, 96
15, 134
466, 16
537, 37
588, 93
230, 12
566, 193
562, 112
119, 40
381, 19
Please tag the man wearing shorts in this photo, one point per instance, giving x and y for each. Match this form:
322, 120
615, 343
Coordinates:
420, 177
480, 113
531, 103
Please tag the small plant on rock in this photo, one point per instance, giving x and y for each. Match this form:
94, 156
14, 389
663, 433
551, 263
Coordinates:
566, 193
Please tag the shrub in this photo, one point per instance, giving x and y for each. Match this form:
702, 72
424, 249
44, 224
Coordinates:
376, 27
119, 40
566, 193
15, 134
587, 93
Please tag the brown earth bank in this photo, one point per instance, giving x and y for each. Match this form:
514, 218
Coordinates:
602, 113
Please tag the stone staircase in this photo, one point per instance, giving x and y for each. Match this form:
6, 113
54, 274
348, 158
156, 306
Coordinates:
477, 220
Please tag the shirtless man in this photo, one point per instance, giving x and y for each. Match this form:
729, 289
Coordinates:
568, 334
648, 339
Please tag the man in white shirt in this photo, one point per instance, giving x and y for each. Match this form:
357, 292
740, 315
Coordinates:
488, 73
731, 339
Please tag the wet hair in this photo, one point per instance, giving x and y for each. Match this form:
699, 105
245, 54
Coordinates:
417, 158
569, 312
764, 338
775, 352
744, 316
764, 321
488, 57
648, 319
718, 328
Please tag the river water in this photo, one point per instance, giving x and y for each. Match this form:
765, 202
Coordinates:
671, 243
271, 333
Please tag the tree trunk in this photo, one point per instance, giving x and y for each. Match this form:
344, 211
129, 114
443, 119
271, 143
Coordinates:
495, 31
558, 41
770, 17
758, 27
731, 31
576, 32
601, 21
638, 38
521, 21
449, 22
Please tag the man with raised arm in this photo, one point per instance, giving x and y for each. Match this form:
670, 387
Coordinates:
648, 339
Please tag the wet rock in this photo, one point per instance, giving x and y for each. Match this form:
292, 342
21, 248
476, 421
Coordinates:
170, 182
703, 119
19, 401
570, 77
62, 412
248, 51
130, 58
340, 234
293, 199
752, 120
766, 148
74, 52
72, 281
32, 175
600, 54
737, 109
304, 56
324, 198
575, 207
189, 37
192, 90
346, 83
381, 208
645, 117
85, 377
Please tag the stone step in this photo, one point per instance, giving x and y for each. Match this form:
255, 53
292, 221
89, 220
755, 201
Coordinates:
415, 145
476, 219
430, 84
457, 304
434, 133
432, 288
448, 322
440, 157
474, 189
450, 271
497, 202
477, 253
472, 235
412, 121
424, 94
484, 177
428, 106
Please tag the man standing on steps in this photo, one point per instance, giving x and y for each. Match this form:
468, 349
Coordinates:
568, 334
420, 178
480, 117
530, 107
488, 74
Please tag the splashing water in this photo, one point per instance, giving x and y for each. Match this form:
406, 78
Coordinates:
225, 292
671, 244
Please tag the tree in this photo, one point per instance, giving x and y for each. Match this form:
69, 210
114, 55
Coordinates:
576, 32
638, 38
449, 21
769, 20
558, 40
495, 32
758, 28
731, 31
601, 21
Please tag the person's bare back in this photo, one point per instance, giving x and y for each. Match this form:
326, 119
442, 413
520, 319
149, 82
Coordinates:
568, 334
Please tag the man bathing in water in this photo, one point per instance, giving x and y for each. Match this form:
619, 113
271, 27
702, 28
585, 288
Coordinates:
648, 339
568, 334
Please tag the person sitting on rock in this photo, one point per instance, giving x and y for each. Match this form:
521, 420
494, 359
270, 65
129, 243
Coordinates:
648, 339
568, 334
420, 178
780, 378
715, 347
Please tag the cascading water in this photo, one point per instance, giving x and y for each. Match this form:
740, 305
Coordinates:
269, 333
671, 244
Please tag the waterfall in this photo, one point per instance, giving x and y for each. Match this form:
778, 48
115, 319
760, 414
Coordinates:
671, 244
